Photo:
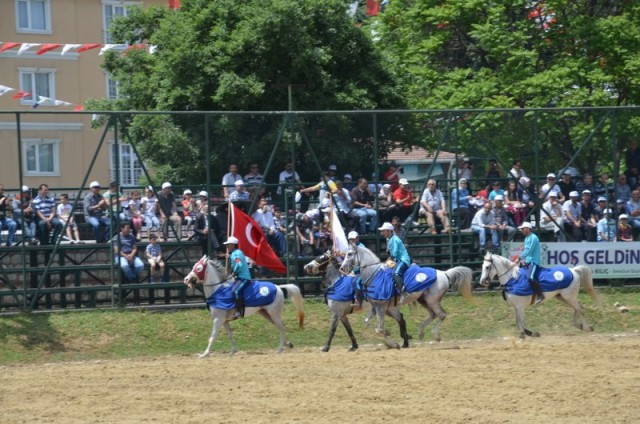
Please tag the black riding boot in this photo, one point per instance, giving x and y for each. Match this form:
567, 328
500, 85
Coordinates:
239, 313
537, 290
399, 283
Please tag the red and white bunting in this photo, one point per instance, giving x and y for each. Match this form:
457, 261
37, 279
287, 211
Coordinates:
42, 100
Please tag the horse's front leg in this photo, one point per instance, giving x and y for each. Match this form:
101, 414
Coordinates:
519, 311
217, 322
332, 331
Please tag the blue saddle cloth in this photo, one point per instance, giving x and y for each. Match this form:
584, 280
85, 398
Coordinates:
551, 279
416, 278
256, 293
342, 290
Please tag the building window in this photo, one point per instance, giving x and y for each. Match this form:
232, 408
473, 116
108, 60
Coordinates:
111, 10
37, 82
112, 88
42, 157
33, 16
130, 166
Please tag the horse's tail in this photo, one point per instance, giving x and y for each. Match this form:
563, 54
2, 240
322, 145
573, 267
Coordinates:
461, 277
296, 297
586, 281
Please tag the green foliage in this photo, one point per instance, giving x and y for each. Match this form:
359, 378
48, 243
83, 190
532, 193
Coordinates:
514, 54
241, 55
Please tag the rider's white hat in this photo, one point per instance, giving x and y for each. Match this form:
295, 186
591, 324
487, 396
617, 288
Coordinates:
231, 240
386, 226
352, 235
525, 225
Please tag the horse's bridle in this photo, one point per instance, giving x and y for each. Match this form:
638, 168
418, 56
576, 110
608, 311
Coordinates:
493, 265
357, 262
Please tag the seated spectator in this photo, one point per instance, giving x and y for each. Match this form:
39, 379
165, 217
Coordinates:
255, 179
5, 221
607, 227
153, 252
275, 236
603, 187
24, 215
482, 196
342, 201
483, 224
363, 201
600, 207
398, 229
494, 172
392, 176
65, 213
622, 189
497, 190
240, 194
134, 213
168, 211
374, 186
188, 209
586, 184
95, 207
528, 193
463, 170
566, 184
117, 202
229, 179
45, 207
202, 204
386, 204
501, 220
514, 204
516, 171
633, 209
551, 185
621, 208
126, 253
149, 207
552, 216
290, 181
348, 183
588, 216
305, 234
460, 207
625, 232
572, 211
433, 206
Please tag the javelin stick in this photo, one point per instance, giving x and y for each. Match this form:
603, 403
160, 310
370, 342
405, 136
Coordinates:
229, 232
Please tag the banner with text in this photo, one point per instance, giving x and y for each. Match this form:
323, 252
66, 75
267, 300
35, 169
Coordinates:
606, 260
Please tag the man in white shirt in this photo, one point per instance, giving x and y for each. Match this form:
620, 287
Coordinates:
572, 211
432, 206
264, 218
229, 179
483, 223
551, 185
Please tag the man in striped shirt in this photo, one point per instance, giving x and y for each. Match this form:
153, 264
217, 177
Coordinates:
44, 206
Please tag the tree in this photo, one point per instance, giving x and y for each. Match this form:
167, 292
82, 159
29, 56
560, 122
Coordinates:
240, 55
521, 54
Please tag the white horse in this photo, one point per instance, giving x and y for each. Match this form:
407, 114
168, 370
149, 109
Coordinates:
324, 264
509, 274
430, 298
212, 275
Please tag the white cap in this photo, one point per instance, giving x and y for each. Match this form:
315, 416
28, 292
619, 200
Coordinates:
586, 191
25, 188
567, 172
525, 181
348, 176
231, 240
203, 193
386, 226
166, 185
525, 224
239, 183
187, 191
608, 211
386, 186
499, 197
92, 185
553, 193
332, 167
623, 216
574, 194
352, 235
551, 175
403, 181
602, 199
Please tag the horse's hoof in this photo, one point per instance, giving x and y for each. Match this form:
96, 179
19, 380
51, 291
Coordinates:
535, 334
589, 328
421, 335
325, 349
437, 338
397, 346
353, 348
203, 355
290, 345
405, 345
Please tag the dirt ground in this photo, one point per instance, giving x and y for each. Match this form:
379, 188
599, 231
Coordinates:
571, 379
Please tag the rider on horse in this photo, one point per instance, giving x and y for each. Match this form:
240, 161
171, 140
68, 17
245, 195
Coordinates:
530, 258
354, 238
398, 253
240, 270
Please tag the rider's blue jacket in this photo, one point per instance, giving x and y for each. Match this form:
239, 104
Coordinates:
239, 265
531, 252
397, 250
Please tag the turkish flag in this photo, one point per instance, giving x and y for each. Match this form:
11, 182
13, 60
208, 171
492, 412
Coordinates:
373, 7
252, 241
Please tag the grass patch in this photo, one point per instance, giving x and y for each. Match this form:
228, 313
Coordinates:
102, 334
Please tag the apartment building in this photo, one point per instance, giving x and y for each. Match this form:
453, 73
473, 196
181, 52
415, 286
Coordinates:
57, 149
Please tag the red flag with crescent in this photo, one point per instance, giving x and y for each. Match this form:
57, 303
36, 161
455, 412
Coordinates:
252, 241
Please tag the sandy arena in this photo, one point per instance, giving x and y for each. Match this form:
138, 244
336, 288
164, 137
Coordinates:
569, 379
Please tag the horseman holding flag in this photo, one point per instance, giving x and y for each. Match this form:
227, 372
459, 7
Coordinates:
241, 273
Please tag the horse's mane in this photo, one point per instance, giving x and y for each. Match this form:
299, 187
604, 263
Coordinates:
368, 253
218, 265
515, 269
